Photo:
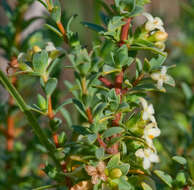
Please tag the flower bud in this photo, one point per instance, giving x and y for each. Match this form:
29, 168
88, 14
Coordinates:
76, 158
115, 173
36, 49
161, 36
160, 45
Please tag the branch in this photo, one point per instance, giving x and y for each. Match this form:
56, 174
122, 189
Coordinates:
30, 117
106, 82
124, 32
135, 83
89, 114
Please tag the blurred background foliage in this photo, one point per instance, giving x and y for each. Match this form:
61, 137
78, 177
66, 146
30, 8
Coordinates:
174, 109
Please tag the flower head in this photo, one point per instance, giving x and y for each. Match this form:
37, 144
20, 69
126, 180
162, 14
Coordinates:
148, 111
83, 185
161, 77
151, 131
148, 155
50, 47
97, 172
153, 23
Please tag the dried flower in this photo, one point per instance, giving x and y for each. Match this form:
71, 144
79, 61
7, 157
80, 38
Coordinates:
83, 185
97, 172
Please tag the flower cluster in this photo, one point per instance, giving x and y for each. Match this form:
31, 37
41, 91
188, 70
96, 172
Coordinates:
156, 32
151, 131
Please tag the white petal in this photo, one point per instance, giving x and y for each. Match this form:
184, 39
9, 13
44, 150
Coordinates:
149, 26
154, 158
155, 76
155, 132
161, 28
158, 21
152, 119
160, 83
143, 103
148, 16
50, 47
167, 78
163, 70
151, 125
145, 116
148, 141
150, 109
146, 163
139, 153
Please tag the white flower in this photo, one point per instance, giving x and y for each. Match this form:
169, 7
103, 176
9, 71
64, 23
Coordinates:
161, 77
148, 111
148, 157
150, 132
153, 23
50, 47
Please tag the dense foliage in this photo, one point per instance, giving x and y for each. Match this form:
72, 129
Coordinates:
105, 135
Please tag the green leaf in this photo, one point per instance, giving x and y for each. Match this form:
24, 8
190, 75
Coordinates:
55, 123
123, 184
121, 57
66, 116
170, 81
152, 49
100, 153
56, 12
146, 66
40, 62
179, 159
114, 162
62, 138
42, 102
66, 102
145, 186
112, 131
123, 107
115, 23
81, 130
124, 168
107, 69
187, 90
80, 107
181, 179
50, 86
54, 30
94, 27
43, 3
92, 138
167, 179
69, 23
155, 63
99, 109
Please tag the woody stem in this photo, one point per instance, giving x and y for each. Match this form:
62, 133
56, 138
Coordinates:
118, 82
51, 117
